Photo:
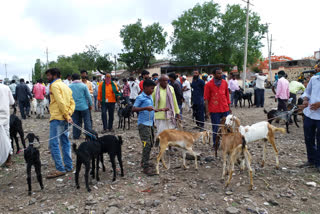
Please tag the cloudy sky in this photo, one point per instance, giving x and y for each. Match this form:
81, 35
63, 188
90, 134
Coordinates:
67, 26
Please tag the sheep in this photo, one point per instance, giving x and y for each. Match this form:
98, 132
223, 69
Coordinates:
181, 139
258, 131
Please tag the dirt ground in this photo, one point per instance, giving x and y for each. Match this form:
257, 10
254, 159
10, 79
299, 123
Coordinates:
175, 190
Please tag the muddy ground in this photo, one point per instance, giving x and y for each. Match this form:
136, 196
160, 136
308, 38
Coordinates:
175, 190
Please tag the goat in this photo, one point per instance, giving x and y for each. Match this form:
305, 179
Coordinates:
15, 128
112, 145
124, 113
181, 139
282, 115
233, 145
33, 109
87, 151
32, 158
239, 96
258, 131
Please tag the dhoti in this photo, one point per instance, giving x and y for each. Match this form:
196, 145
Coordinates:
5, 144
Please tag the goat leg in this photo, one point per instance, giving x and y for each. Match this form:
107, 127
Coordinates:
119, 156
101, 160
112, 159
22, 137
78, 168
295, 118
29, 178
86, 175
287, 126
184, 159
97, 169
38, 172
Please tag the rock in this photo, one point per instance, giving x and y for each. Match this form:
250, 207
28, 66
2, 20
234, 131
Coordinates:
184, 210
173, 198
113, 210
304, 199
141, 202
156, 203
71, 207
121, 197
273, 202
209, 159
32, 201
252, 210
262, 211
232, 210
229, 193
90, 198
114, 204
311, 184
148, 203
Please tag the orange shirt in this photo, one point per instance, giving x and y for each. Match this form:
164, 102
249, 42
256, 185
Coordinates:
110, 96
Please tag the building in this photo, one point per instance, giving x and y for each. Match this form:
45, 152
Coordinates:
293, 68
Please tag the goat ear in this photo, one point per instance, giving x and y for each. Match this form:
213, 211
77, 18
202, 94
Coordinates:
37, 137
237, 122
223, 120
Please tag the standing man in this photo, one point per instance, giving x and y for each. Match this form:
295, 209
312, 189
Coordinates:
23, 96
165, 98
95, 92
197, 98
39, 91
5, 145
216, 96
68, 80
84, 78
261, 78
177, 89
61, 108
144, 75
134, 89
126, 91
83, 101
282, 93
13, 87
311, 127
233, 87
155, 77
186, 88
108, 94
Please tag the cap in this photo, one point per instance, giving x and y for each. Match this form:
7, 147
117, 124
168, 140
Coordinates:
184, 77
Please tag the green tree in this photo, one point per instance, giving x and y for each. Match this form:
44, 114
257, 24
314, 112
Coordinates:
16, 78
141, 44
37, 71
204, 35
66, 66
103, 63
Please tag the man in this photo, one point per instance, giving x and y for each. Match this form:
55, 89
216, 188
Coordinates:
5, 146
144, 105
29, 84
83, 101
216, 96
84, 78
294, 88
39, 91
23, 96
108, 94
233, 87
282, 93
95, 92
197, 98
177, 89
155, 76
311, 102
13, 87
276, 77
186, 88
261, 78
61, 108
68, 80
134, 89
164, 97
144, 75
126, 91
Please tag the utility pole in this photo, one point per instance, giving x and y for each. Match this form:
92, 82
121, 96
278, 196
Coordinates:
246, 49
269, 53
5, 68
115, 65
47, 53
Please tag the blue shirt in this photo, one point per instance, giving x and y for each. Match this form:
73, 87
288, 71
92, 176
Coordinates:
198, 90
313, 93
81, 95
145, 117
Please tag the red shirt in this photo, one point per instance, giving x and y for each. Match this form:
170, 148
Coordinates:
141, 85
218, 97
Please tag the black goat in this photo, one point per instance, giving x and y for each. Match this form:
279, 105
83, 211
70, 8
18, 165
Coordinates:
112, 145
32, 158
282, 116
15, 128
124, 113
87, 151
239, 96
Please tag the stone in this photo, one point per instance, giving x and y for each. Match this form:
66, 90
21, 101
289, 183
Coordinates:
273, 202
173, 198
113, 204
113, 210
311, 184
232, 210
209, 159
229, 193
32, 201
121, 197
156, 203
304, 199
71, 207
141, 202
90, 198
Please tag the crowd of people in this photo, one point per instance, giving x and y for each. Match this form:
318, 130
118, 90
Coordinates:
159, 102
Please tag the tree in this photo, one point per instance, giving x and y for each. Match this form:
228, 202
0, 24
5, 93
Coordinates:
66, 66
16, 78
37, 71
104, 63
204, 35
141, 44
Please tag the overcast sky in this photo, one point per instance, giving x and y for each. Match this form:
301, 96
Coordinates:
67, 26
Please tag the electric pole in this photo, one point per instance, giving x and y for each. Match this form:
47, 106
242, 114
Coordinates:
115, 65
5, 68
246, 49
269, 52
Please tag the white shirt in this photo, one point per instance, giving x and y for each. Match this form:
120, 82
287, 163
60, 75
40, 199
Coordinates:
134, 89
67, 82
260, 81
186, 84
6, 101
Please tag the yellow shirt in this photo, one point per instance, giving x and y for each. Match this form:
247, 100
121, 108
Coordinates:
163, 102
89, 85
295, 86
61, 102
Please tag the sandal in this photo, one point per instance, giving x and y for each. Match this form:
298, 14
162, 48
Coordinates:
55, 174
